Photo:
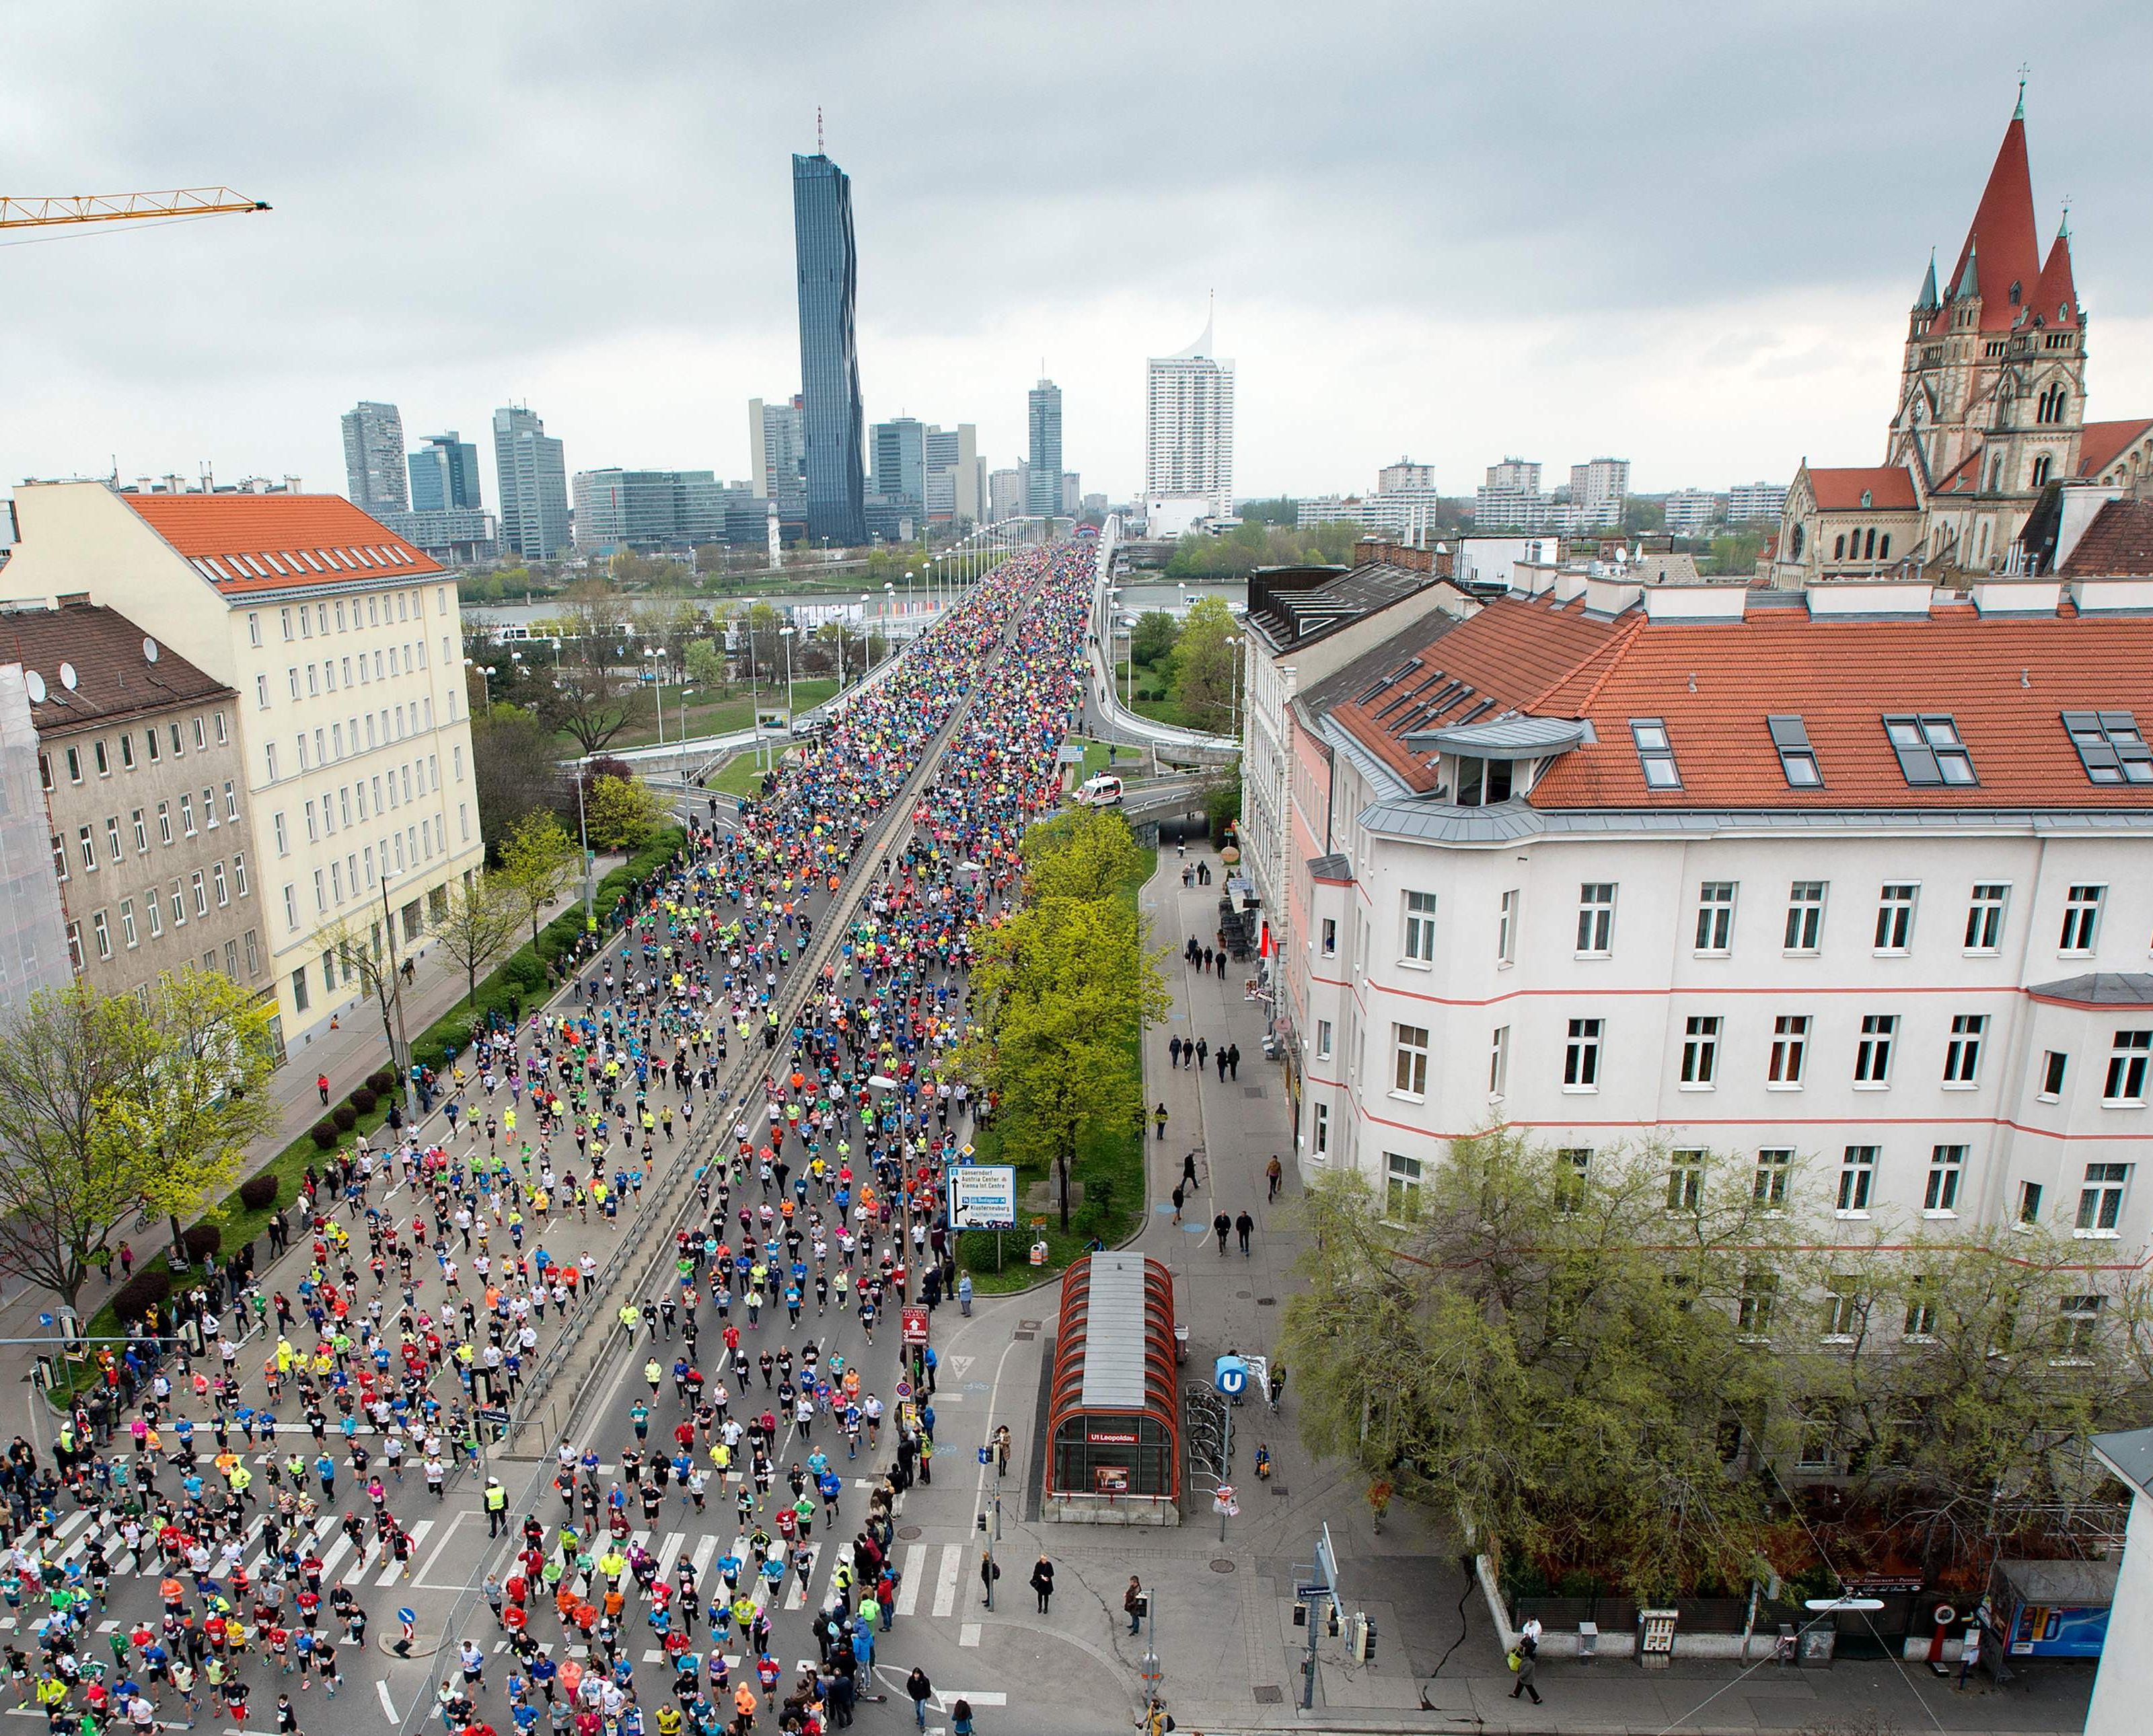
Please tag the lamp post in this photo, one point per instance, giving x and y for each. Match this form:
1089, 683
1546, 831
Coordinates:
396, 992
1233, 685
888, 606
583, 831
786, 633
754, 685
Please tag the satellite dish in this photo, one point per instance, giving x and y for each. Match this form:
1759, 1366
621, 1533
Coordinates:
149, 650
36, 683
68, 676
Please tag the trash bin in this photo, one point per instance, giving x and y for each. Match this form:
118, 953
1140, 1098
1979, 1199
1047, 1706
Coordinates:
1180, 1345
1588, 1641
1818, 1642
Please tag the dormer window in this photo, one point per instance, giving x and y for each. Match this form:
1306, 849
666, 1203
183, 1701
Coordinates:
1656, 753
1481, 783
1868, 499
2015, 294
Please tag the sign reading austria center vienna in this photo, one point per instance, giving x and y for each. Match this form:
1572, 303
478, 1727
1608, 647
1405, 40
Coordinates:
983, 1196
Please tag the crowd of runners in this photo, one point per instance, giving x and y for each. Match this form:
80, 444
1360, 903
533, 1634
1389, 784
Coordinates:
428, 1279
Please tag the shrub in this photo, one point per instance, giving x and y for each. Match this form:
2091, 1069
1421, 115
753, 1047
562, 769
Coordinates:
134, 1299
202, 1240
258, 1193
345, 1116
364, 1101
381, 1082
325, 1135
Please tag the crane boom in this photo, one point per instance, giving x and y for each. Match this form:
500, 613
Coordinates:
121, 207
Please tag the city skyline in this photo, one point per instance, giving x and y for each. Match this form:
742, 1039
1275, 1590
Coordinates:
1740, 363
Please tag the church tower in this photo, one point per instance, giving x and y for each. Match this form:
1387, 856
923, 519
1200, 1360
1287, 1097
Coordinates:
1992, 396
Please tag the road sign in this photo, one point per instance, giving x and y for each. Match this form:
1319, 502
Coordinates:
915, 1326
492, 1413
44, 1320
985, 1455
1312, 1589
1230, 1376
983, 1196
905, 1389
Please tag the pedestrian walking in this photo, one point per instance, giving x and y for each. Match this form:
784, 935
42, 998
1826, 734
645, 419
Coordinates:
1274, 1173
920, 1691
1179, 1199
1221, 1225
1158, 1117
1132, 1603
1524, 1659
1042, 1582
1233, 1061
1244, 1226
1173, 1048
1203, 1049
1219, 1056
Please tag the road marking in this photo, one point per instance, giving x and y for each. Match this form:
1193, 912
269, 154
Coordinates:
946, 1580
908, 1579
796, 1592
448, 1536
967, 1633
978, 1697
387, 1705
704, 1550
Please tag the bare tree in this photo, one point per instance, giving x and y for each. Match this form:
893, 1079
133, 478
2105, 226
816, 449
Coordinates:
480, 923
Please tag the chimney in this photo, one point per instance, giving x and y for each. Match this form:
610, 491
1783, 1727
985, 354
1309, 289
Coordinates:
173, 485
142, 484
290, 485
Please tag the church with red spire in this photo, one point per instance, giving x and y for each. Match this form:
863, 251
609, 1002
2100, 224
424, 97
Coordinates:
1991, 417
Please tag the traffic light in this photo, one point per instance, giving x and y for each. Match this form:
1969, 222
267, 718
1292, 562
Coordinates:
1363, 1642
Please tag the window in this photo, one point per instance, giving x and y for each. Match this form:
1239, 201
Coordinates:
277, 826
239, 871
1984, 917
2109, 746
321, 893
1700, 1053
1857, 1175
290, 906
1715, 916
59, 857
2053, 1064
2030, 1202
1798, 760
1323, 1040
261, 692
150, 741
103, 930
1946, 1163
1330, 922
299, 990
1420, 928
74, 946
1409, 1076
75, 764
103, 760
231, 797
223, 892
1572, 1164
1686, 1181
1843, 1309
126, 753
2127, 1059
253, 628
1581, 1060
1790, 1043
2042, 465
1921, 1291
1498, 1062
1656, 753
112, 844
187, 815
1930, 750
1872, 1055
1506, 929
2081, 918
2078, 1319
1775, 1175
141, 831
127, 923
1319, 1129
89, 846
1963, 1053
1894, 916
1816, 1444
1596, 918
1805, 915
156, 913
1760, 1294
1401, 1186
253, 955
1481, 783
178, 895
2100, 1201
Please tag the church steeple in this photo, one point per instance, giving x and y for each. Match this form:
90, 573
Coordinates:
1969, 280
2002, 251
1926, 302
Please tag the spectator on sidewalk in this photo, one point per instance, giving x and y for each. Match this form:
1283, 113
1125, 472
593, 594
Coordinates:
1274, 1173
1158, 1117
1222, 1224
1132, 1603
1244, 1226
1042, 1583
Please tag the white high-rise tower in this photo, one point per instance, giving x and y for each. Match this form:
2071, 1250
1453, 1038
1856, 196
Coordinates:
1189, 443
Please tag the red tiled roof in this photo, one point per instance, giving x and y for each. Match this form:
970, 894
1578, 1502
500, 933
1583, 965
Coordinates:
1513, 652
2055, 298
2101, 444
112, 674
2002, 239
1962, 478
246, 542
2118, 544
2005, 682
1889, 486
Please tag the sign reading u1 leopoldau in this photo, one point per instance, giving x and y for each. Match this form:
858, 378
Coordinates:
983, 1196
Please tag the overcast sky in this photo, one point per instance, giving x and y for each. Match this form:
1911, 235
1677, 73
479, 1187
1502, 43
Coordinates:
1683, 233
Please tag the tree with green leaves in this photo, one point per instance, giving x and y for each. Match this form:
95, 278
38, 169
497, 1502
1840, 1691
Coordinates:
1087, 854
706, 663
480, 924
1206, 666
1153, 636
516, 768
1539, 1344
537, 858
620, 813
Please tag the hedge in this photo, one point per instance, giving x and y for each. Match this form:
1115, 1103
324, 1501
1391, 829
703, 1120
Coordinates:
364, 1101
522, 976
202, 1240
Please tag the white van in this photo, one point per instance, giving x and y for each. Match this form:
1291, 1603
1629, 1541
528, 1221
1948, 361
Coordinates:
1104, 790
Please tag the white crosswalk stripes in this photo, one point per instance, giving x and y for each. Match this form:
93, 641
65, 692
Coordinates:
908, 1579
945, 1580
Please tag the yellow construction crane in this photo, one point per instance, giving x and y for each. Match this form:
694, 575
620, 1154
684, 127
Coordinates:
121, 207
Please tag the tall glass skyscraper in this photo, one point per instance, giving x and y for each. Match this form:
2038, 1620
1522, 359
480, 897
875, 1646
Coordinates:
534, 485
1043, 483
445, 474
374, 458
831, 425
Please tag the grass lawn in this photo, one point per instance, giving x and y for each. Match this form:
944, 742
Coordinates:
719, 717
1110, 1169
741, 776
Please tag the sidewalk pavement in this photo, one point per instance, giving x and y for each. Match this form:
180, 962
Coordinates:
1230, 1654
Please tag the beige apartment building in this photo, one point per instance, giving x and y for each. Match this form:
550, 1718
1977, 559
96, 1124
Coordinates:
140, 760
343, 645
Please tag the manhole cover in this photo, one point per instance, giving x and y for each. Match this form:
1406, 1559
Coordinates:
1221, 1566
1271, 1696
1028, 1326
1243, 1295
907, 1532
1024, 1337
1252, 1091
1266, 1301
1278, 1488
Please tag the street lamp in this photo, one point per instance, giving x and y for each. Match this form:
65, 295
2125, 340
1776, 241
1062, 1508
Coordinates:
888, 603
754, 686
785, 633
583, 831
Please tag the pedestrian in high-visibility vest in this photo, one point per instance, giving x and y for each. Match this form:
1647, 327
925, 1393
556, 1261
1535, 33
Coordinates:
496, 1507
